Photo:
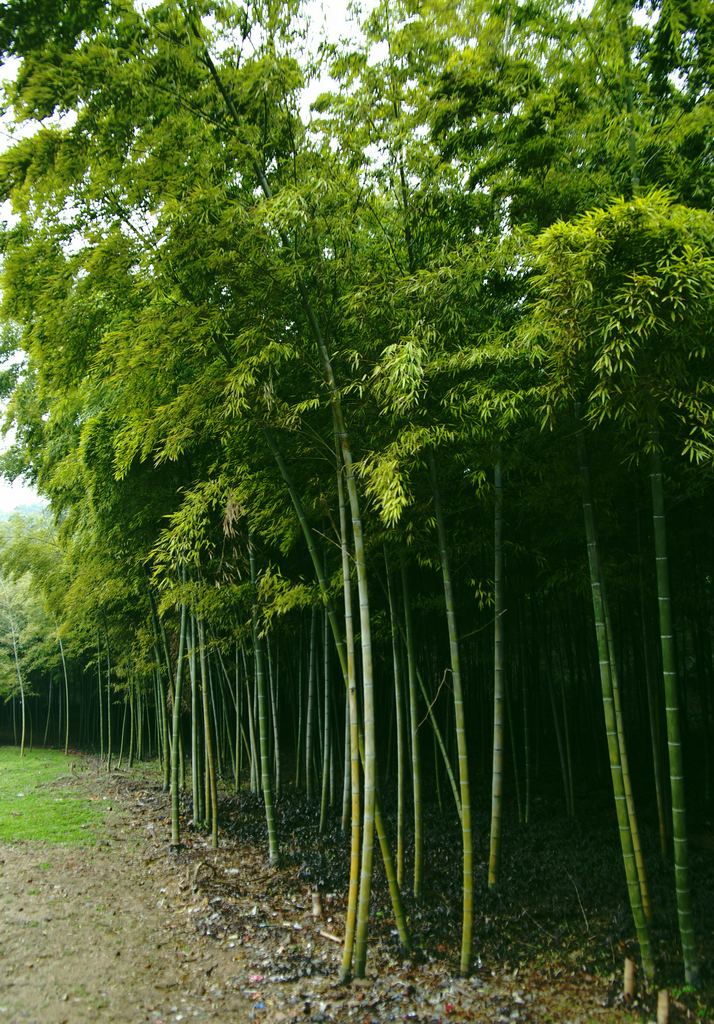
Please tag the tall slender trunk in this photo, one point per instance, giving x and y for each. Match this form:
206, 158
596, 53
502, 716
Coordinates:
327, 732
207, 735
517, 785
704, 665
160, 638
596, 588
21, 685
219, 747
265, 774
66, 692
228, 701
197, 797
346, 794
527, 768
49, 710
655, 729
368, 705
123, 732
310, 714
394, 892
182, 763
440, 746
273, 691
101, 698
353, 720
674, 743
239, 731
399, 708
139, 712
559, 728
166, 780
370, 746
109, 707
158, 718
498, 683
460, 727
176, 745
130, 696
300, 715
252, 741
370, 755
567, 739
624, 760
59, 720
414, 736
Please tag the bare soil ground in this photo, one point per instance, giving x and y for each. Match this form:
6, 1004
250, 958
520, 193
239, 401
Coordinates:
99, 933
126, 931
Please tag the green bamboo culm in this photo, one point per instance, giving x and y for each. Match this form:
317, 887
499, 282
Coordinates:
176, 752
414, 735
100, 698
160, 635
310, 712
399, 710
624, 760
109, 706
265, 774
608, 703
165, 739
498, 682
674, 743
18, 674
133, 730
327, 740
460, 725
395, 895
66, 696
196, 771
353, 719
440, 745
369, 759
369, 756
653, 713
208, 736
272, 690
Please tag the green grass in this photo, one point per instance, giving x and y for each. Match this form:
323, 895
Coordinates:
35, 805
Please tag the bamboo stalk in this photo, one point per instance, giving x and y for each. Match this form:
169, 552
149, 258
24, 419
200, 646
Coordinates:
672, 717
460, 727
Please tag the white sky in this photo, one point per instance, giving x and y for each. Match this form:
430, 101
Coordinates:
15, 494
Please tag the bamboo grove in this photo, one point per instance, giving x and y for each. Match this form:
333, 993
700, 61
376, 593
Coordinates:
370, 386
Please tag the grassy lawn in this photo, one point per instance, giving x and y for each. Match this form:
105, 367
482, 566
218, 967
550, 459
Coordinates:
35, 805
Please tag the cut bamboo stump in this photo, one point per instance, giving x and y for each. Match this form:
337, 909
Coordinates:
663, 1006
317, 906
628, 989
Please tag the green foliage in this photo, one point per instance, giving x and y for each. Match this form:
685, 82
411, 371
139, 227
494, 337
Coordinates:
623, 299
167, 232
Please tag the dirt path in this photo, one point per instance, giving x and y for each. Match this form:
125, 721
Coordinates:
124, 932
93, 933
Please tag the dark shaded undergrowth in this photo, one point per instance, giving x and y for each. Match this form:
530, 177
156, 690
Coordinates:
560, 913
